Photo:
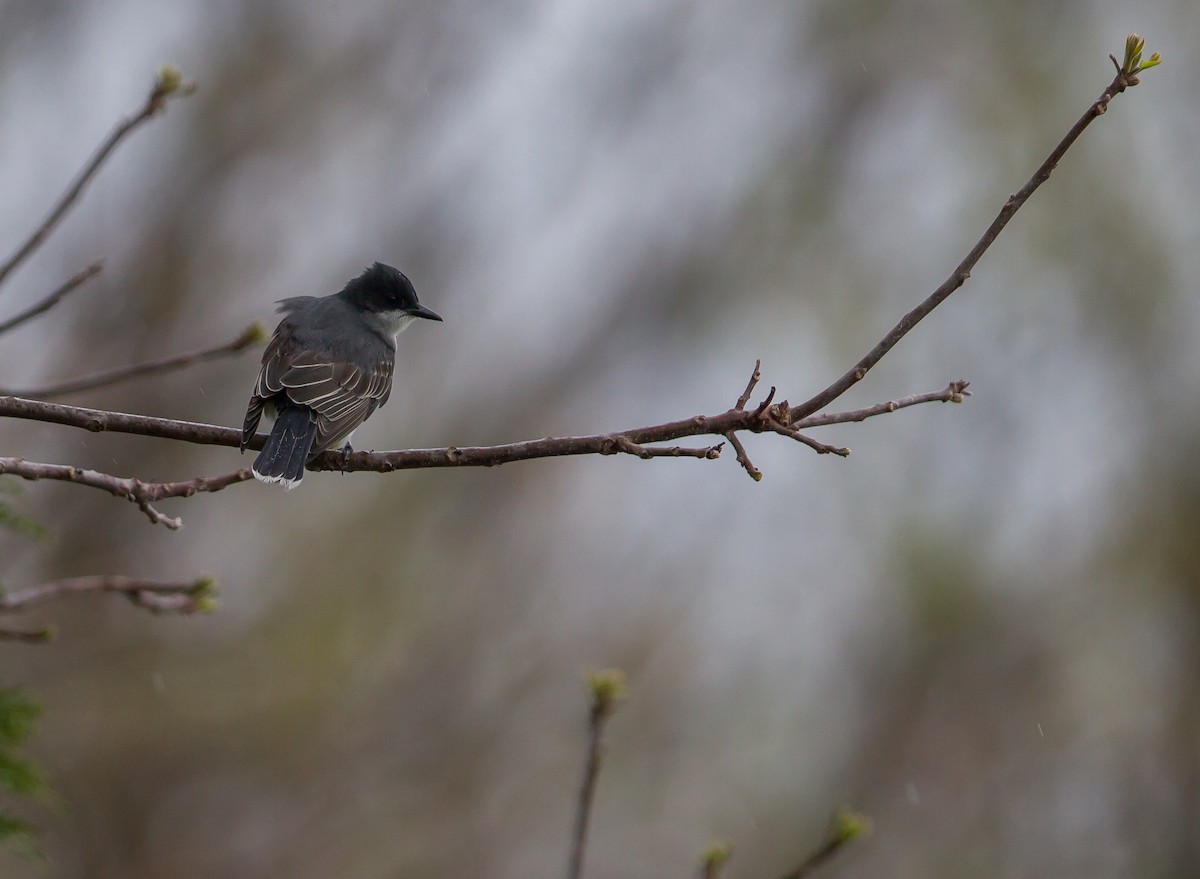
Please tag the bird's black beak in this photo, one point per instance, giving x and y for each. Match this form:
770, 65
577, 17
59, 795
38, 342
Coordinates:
422, 311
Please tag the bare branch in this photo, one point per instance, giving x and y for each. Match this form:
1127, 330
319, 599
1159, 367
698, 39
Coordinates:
53, 299
144, 494
1124, 79
742, 457
252, 335
766, 417
99, 420
755, 376
168, 84
813, 444
158, 596
952, 393
607, 688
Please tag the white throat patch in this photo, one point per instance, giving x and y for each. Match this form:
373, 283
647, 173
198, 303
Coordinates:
390, 323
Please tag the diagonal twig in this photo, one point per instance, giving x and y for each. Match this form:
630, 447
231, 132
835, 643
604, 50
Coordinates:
168, 84
143, 494
755, 376
53, 299
252, 335
845, 826
1125, 78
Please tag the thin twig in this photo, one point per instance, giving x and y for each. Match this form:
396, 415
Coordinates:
250, 336
28, 636
755, 376
155, 595
53, 299
845, 826
607, 687
960, 275
143, 494
742, 457
952, 393
819, 447
168, 84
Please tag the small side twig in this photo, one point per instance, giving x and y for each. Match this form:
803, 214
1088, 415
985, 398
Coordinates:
755, 376
28, 636
252, 335
845, 826
168, 84
621, 443
143, 494
954, 392
742, 457
53, 299
607, 688
157, 596
819, 447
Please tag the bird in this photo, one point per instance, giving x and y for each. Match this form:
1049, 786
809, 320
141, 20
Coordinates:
327, 367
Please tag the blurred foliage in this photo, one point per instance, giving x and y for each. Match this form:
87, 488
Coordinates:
18, 775
13, 520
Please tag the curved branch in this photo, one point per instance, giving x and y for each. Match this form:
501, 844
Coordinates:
144, 494
169, 83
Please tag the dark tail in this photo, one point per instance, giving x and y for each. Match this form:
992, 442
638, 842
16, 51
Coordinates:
282, 458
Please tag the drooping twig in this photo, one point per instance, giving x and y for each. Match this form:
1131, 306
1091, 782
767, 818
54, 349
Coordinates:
168, 84
1126, 78
252, 335
845, 825
607, 688
742, 457
155, 595
143, 494
755, 376
53, 299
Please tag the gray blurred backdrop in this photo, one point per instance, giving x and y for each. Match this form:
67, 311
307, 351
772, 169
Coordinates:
982, 629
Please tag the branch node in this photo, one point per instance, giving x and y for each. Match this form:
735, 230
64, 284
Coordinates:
625, 444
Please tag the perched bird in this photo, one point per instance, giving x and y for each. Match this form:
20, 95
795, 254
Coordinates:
327, 367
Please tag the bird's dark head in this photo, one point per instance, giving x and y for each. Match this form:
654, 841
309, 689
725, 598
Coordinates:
387, 295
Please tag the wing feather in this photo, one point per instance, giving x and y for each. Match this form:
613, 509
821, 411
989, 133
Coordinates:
342, 393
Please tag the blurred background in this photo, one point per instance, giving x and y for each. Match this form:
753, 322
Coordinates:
982, 629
